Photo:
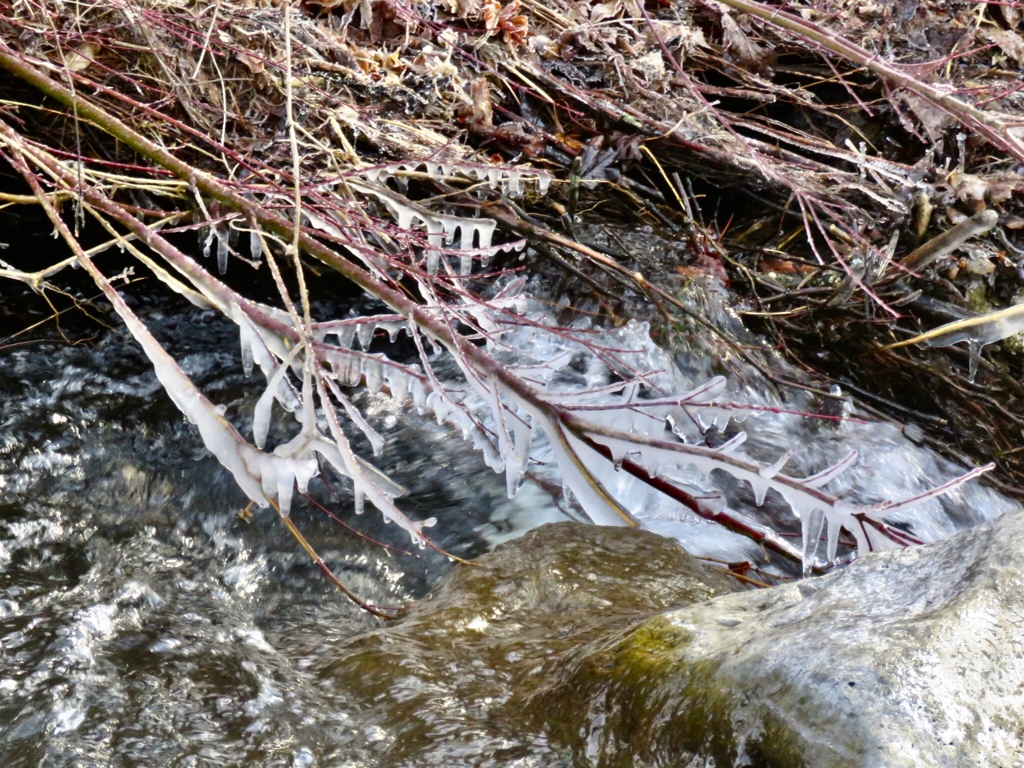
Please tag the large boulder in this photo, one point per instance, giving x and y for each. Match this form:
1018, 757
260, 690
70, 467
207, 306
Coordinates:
601, 647
454, 682
908, 658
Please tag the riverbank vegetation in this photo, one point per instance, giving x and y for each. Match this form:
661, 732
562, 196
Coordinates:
847, 172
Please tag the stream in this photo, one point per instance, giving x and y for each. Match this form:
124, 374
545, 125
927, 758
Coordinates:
143, 622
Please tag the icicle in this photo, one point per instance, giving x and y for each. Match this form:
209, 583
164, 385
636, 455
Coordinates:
245, 335
439, 406
451, 226
398, 383
222, 250
316, 221
543, 183
285, 484
465, 264
359, 498
403, 214
261, 413
348, 369
484, 232
344, 335
974, 347
356, 417
364, 332
513, 186
419, 395
523, 434
833, 540
760, 488
374, 375
393, 328
772, 470
435, 232
255, 246
811, 525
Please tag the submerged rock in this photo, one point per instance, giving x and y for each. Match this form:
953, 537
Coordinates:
545, 653
908, 658
454, 682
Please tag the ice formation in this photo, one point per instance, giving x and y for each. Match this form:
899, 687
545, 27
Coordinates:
511, 182
978, 332
597, 433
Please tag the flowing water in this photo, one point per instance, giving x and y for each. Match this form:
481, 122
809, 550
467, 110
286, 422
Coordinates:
143, 622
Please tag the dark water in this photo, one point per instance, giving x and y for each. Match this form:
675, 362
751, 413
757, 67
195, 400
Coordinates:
141, 621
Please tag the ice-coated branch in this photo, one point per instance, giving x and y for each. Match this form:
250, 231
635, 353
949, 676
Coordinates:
502, 405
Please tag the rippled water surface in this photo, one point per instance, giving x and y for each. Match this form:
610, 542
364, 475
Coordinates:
142, 622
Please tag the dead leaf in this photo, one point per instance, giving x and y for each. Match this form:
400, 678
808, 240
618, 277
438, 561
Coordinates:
934, 120
82, 58
743, 51
1009, 42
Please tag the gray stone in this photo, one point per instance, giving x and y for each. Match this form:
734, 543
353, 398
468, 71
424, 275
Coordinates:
906, 658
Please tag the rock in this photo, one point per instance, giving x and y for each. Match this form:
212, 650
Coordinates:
561, 649
453, 683
907, 658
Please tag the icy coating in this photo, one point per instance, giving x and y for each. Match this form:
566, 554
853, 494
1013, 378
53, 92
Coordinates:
866, 467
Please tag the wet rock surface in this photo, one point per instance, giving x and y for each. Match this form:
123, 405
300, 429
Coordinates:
908, 658
457, 681
534, 656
